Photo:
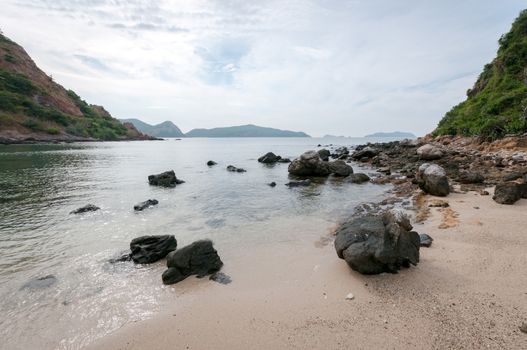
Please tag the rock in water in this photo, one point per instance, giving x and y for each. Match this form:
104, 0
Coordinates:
433, 180
145, 204
426, 240
272, 184
508, 192
211, 163
86, 208
199, 258
358, 178
309, 164
149, 249
340, 168
373, 244
234, 169
324, 154
430, 152
269, 158
166, 179
299, 183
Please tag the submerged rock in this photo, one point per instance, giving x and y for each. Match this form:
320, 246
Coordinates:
309, 164
86, 208
426, 240
433, 180
358, 178
298, 183
269, 158
149, 249
372, 244
211, 163
340, 168
199, 258
166, 179
40, 282
234, 169
143, 205
430, 152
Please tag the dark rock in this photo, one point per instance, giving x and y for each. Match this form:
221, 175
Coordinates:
432, 179
199, 258
430, 152
269, 158
340, 168
211, 163
234, 169
309, 164
484, 193
145, 204
149, 249
86, 208
373, 244
365, 153
507, 193
324, 154
124, 256
512, 177
426, 240
471, 178
40, 282
299, 183
220, 277
358, 178
166, 179
284, 160
272, 184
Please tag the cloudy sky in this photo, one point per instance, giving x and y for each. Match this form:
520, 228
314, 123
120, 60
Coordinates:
320, 66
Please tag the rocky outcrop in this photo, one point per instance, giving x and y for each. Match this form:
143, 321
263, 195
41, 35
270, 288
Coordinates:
149, 249
234, 169
358, 178
199, 258
340, 168
509, 192
146, 204
166, 179
430, 152
269, 158
309, 164
433, 180
86, 208
365, 153
372, 244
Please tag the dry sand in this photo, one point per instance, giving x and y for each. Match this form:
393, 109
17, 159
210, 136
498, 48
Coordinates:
468, 292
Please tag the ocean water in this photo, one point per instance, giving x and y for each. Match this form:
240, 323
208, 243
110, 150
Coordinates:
88, 296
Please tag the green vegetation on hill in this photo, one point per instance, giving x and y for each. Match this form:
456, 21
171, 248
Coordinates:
497, 104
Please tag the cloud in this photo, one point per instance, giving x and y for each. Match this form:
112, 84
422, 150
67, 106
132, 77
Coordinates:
321, 66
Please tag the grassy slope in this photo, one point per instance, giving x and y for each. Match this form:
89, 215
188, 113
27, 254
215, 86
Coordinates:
497, 104
33, 105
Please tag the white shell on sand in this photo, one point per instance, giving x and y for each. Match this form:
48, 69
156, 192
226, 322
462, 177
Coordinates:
350, 296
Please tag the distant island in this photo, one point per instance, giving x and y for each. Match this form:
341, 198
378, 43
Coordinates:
164, 129
169, 129
401, 134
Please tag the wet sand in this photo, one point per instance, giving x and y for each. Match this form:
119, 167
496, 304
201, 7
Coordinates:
468, 292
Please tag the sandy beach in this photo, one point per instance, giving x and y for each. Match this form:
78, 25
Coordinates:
469, 291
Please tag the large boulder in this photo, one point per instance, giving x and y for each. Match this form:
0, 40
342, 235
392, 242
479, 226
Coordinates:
324, 154
85, 209
373, 244
309, 164
199, 258
269, 158
365, 153
166, 179
340, 168
430, 152
509, 192
433, 180
149, 249
146, 204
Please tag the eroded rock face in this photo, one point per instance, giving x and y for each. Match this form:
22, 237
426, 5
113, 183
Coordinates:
430, 152
269, 158
199, 258
340, 168
433, 180
149, 249
372, 244
166, 179
146, 204
86, 208
509, 192
309, 164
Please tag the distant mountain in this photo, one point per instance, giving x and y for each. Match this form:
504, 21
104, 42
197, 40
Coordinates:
165, 129
400, 134
244, 131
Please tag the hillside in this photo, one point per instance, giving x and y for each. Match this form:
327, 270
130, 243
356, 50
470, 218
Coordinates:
34, 107
244, 131
164, 129
497, 104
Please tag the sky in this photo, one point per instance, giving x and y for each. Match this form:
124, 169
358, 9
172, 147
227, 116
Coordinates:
319, 66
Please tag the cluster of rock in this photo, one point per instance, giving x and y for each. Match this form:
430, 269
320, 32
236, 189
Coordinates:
234, 169
373, 244
271, 158
317, 164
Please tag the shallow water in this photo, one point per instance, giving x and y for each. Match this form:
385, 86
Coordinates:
89, 297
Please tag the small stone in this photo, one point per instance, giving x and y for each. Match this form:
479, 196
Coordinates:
272, 184
523, 327
350, 296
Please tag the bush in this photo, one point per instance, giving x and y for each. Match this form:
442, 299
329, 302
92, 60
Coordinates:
53, 131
